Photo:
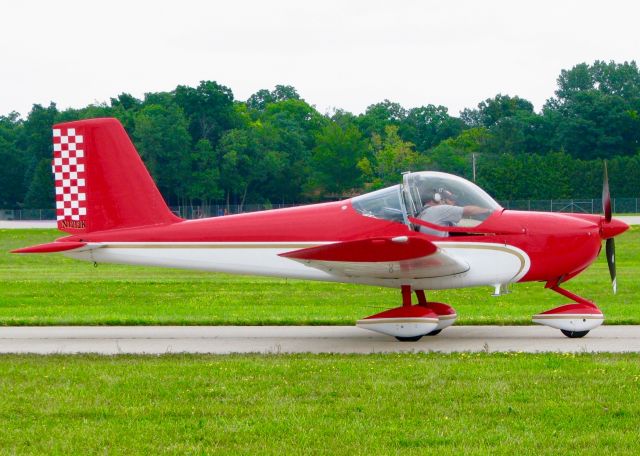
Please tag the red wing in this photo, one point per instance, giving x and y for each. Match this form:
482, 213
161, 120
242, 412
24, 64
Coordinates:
401, 257
368, 250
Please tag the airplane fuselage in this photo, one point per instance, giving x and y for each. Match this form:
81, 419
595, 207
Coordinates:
516, 246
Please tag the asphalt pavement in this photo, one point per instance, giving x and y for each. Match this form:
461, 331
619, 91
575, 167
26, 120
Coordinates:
111, 340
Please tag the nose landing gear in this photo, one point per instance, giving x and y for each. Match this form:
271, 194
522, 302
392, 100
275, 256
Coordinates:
573, 320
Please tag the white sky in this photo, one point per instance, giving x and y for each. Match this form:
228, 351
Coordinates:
337, 53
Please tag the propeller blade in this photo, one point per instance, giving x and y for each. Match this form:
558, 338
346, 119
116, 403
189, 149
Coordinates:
606, 197
611, 261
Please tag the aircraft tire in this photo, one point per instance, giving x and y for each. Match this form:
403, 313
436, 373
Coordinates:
574, 334
409, 339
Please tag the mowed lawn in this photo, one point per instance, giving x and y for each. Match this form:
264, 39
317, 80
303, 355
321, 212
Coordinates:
52, 289
321, 404
300, 404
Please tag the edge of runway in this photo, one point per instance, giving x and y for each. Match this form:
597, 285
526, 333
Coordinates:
158, 340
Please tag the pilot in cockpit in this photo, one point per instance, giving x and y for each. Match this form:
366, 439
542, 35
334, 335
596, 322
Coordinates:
441, 208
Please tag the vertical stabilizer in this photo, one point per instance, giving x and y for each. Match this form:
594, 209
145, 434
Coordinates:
101, 182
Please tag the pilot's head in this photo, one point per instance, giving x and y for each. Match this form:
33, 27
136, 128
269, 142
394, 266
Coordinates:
439, 196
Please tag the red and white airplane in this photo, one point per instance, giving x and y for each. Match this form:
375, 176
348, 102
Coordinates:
110, 206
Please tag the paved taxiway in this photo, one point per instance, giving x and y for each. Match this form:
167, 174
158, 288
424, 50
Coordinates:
304, 339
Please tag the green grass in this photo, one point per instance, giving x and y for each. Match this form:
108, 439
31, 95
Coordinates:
320, 404
52, 289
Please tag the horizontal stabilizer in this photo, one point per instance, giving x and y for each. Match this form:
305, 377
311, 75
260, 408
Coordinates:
51, 247
403, 257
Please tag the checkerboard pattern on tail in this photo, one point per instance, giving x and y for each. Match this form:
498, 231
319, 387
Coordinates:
101, 182
69, 175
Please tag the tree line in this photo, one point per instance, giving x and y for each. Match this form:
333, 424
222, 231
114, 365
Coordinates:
202, 146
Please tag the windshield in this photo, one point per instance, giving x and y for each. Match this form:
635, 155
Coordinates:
385, 204
445, 200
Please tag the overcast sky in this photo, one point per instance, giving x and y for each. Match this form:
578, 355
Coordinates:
337, 54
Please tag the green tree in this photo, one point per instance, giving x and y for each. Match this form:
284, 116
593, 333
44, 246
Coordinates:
164, 144
454, 155
492, 110
595, 113
530, 176
292, 127
14, 161
576, 80
124, 107
204, 181
524, 132
91, 111
624, 175
595, 125
250, 164
259, 100
209, 108
40, 194
335, 158
391, 156
427, 126
37, 143
377, 116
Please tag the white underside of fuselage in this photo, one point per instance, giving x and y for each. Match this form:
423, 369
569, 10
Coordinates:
488, 263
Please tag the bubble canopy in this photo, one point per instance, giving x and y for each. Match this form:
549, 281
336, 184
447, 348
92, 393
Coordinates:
419, 190
422, 187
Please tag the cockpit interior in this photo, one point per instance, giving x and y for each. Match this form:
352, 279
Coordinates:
420, 191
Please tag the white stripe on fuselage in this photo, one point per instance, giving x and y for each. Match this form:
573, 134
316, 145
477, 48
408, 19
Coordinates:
490, 263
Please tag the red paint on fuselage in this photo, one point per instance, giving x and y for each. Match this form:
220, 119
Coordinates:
557, 244
313, 223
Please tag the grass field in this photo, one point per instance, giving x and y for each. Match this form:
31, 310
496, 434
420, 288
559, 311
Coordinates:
51, 289
321, 404
301, 404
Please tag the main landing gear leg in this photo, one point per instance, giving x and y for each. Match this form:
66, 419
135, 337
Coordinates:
573, 320
406, 304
